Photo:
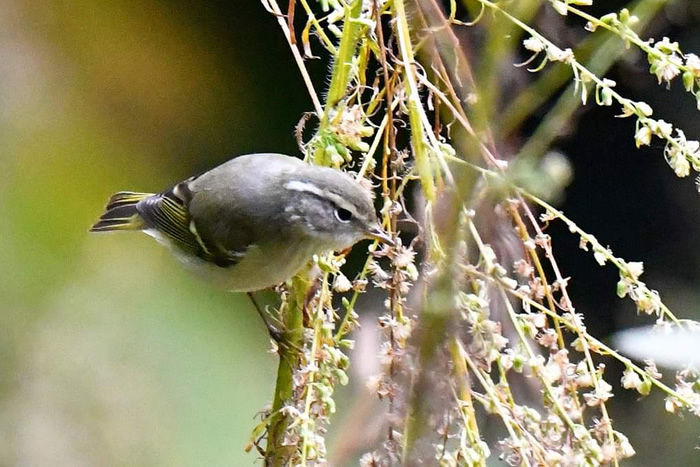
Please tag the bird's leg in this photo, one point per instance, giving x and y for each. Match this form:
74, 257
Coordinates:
275, 333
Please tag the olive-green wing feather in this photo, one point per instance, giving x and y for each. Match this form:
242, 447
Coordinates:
121, 213
168, 212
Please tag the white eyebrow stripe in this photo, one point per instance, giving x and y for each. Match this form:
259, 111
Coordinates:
297, 185
306, 187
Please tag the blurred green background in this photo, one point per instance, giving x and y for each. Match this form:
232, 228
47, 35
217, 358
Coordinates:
110, 352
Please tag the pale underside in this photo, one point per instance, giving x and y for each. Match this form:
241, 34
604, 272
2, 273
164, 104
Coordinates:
254, 271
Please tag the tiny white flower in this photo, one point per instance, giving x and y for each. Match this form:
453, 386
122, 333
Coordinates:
511, 284
666, 46
560, 7
556, 54
667, 68
692, 62
661, 128
599, 256
677, 160
644, 108
630, 379
533, 44
635, 269
523, 268
341, 283
626, 449
643, 136
672, 405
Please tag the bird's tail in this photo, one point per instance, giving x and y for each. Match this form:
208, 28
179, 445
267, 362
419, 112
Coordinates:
121, 213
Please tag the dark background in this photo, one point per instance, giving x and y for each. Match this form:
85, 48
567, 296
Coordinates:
111, 354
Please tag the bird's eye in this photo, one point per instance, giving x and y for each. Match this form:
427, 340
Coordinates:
343, 215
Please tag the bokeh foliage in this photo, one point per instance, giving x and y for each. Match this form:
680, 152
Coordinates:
110, 353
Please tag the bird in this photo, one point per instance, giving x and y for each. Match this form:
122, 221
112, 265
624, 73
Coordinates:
252, 222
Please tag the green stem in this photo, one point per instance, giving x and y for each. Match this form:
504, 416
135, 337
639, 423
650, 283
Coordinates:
340, 75
420, 148
342, 67
601, 53
277, 454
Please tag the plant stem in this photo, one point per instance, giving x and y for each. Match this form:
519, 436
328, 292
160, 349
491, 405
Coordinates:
420, 148
346, 51
277, 453
292, 312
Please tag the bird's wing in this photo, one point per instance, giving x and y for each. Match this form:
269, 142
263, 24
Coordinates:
234, 205
169, 213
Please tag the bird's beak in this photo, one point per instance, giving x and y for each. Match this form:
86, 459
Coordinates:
375, 232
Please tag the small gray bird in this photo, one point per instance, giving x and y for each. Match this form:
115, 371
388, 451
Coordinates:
252, 222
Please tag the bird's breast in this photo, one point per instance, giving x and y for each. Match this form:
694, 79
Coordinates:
261, 267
